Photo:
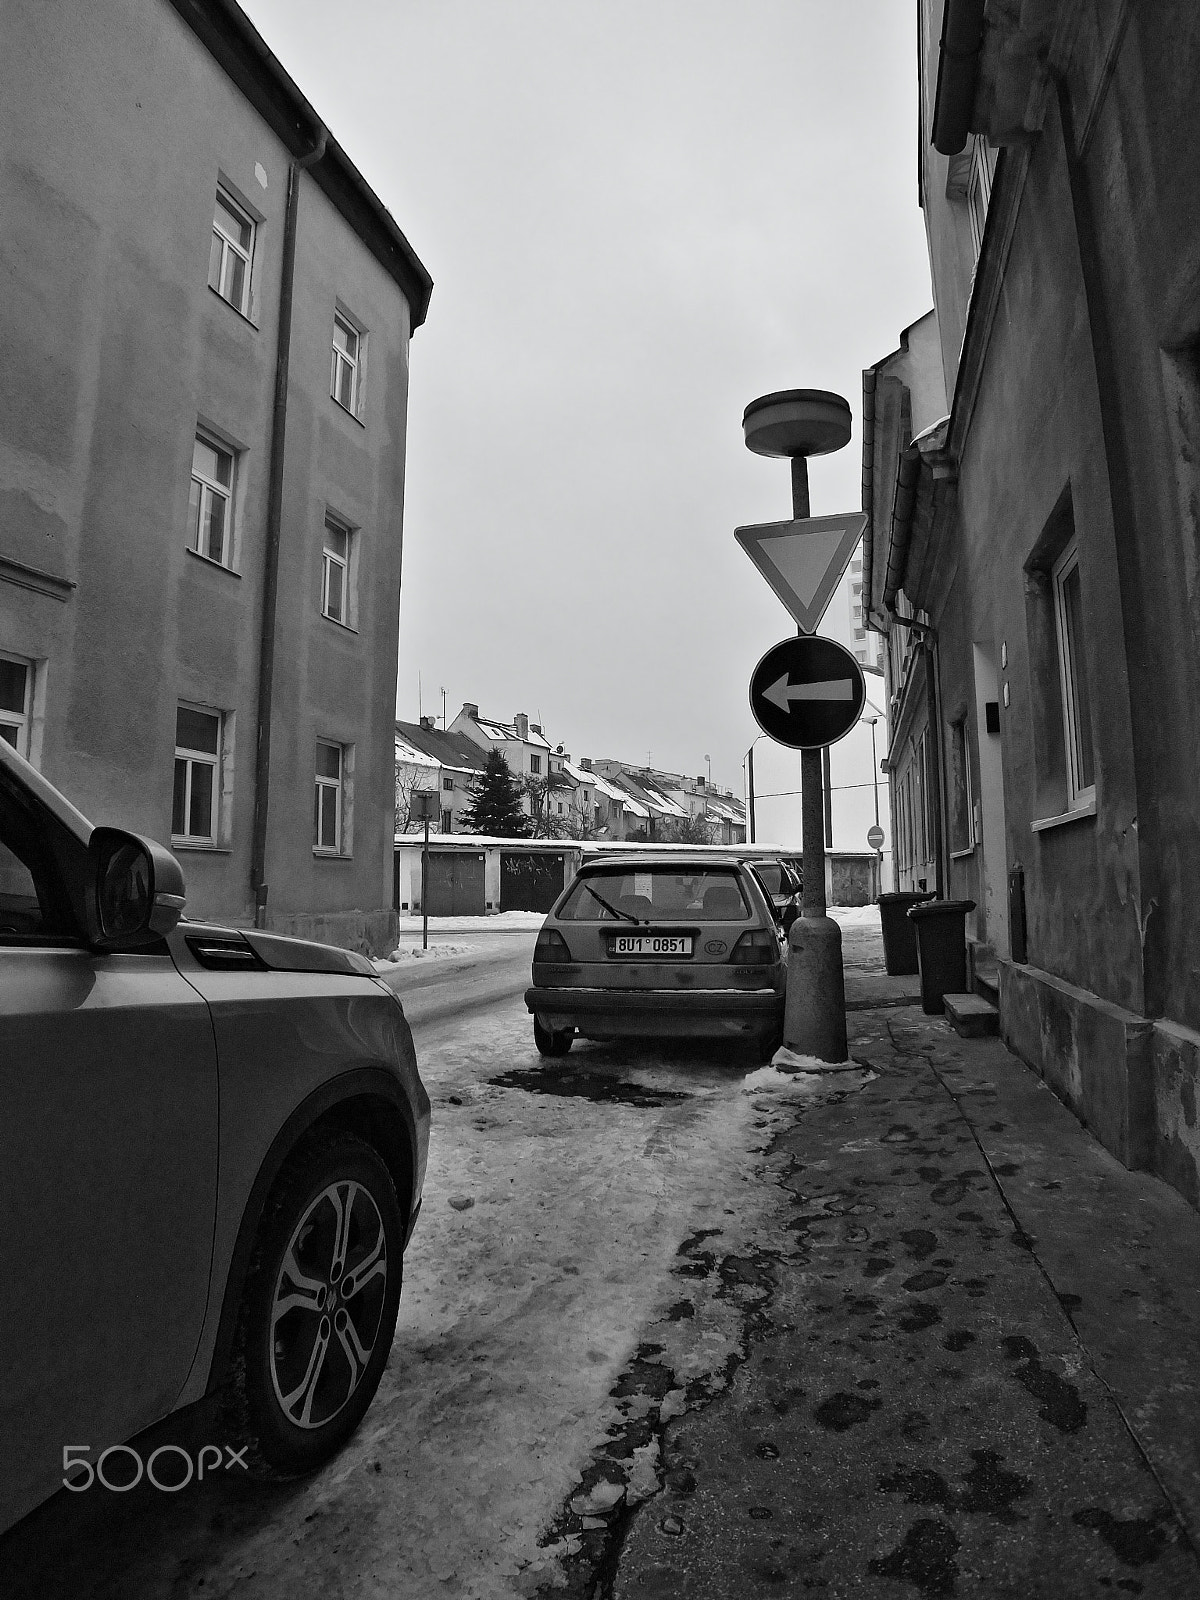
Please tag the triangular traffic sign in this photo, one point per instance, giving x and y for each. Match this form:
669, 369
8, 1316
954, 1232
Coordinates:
804, 560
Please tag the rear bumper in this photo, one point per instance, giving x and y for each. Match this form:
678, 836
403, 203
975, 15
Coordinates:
634, 1013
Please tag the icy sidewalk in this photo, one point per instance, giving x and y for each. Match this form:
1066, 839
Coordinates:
975, 1371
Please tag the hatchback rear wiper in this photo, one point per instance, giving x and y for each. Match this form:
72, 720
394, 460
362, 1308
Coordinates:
623, 916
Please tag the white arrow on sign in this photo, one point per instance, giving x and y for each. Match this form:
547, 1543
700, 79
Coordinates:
804, 560
782, 693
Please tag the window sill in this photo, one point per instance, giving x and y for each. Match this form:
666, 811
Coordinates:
1088, 809
202, 845
346, 411
237, 311
209, 562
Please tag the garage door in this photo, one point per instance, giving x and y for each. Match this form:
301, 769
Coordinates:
455, 886
530, 881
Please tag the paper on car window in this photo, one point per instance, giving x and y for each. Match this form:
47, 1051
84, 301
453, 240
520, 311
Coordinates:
643, 883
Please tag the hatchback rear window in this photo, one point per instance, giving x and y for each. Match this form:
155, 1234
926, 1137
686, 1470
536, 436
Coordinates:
660, 892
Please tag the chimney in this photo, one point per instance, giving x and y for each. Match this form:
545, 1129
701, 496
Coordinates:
585, 763
471, 710
521, 724
428, 722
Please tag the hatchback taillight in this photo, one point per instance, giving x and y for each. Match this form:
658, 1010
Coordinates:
551, 947
758, 949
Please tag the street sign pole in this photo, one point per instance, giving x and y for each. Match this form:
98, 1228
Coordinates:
795, 424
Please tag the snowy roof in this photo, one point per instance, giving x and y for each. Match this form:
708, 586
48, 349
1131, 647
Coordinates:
444, 749
500, 732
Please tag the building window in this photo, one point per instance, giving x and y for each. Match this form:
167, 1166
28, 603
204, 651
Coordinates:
535, 763
16, 702
231, 254
194, 810
346, 372
328, 800
447, 785
962, 837
210, 505
335, 571
979, 190
1073, 680
446, 820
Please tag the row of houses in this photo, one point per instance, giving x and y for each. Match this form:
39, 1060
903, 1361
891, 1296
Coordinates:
586, 799
1031, 474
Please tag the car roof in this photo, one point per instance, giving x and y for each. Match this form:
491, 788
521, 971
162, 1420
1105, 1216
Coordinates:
668, 858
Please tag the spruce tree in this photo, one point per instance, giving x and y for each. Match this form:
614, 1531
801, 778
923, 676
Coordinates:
495, 802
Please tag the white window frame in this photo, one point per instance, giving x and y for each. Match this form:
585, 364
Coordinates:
342, 359
331, 559
335, 787
208, 488
232, 247
195, 759
1070, 674
21, 722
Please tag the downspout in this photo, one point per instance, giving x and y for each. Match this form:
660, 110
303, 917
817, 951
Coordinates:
957, 75
266, 649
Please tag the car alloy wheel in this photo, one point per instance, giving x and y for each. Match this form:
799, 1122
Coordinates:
321, 1301
328, 1299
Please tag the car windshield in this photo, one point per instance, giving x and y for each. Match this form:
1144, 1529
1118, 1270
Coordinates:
625, 895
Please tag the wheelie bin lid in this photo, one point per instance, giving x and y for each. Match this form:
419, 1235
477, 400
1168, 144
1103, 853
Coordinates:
941, 908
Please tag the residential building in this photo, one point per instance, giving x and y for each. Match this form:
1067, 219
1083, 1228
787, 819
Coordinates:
199, 565
446, 764
1032, 552
521, 742
866, 645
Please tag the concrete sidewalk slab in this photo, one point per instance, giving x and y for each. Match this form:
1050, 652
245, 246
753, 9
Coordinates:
975, 1373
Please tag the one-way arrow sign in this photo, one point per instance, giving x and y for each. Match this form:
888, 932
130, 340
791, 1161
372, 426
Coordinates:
803, 561
807, 692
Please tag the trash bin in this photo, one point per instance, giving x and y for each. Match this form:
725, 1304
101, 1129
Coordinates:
899, 934
941, 927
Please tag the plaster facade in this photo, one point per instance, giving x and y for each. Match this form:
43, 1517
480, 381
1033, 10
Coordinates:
1049, 540
117, 354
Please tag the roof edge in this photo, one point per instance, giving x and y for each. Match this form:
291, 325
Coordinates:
242, 53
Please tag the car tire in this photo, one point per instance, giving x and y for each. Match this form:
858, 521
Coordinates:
552, 1044
766, 1045
305, 1372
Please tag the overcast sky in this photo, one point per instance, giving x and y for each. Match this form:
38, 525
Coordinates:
639, 215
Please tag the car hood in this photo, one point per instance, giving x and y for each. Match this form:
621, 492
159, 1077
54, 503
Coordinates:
281, 953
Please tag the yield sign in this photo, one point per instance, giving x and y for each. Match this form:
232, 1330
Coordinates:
803, 561
807, 692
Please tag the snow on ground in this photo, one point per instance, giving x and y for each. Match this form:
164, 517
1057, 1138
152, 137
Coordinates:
545, 1254
416, 952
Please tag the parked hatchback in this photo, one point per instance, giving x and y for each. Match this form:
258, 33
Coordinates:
211, 1159
659, 946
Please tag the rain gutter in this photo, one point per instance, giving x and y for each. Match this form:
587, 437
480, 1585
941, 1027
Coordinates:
958, 74
266, 651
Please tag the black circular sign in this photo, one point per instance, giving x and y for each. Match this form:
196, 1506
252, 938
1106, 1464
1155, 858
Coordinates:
807, 692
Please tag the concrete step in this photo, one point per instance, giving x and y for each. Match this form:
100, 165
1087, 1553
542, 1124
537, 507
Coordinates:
987, 981
971, 1016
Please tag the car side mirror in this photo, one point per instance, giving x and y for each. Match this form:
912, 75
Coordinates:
139, 889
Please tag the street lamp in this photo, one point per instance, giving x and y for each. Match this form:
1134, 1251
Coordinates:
748, 768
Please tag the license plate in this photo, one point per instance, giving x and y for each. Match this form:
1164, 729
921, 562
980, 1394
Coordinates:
650, 944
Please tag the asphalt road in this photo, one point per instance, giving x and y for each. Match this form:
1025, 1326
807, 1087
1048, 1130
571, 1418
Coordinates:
559, 1199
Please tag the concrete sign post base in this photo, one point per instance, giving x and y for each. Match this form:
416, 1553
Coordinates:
814, 1017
